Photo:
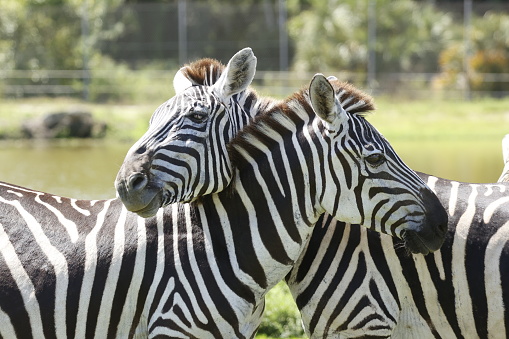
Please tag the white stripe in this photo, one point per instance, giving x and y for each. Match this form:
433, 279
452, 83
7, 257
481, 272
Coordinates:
89, 274
194, 266
233, 299
19, 195
69, 225
453, 198
57, 260
158, 273
17, 188
79, 209
6, 330
23, 282
138, 273
463, 303
430, 294
432, 181
103, 319
493, 282
492, 208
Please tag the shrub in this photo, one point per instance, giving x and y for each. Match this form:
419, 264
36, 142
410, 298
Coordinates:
281, 317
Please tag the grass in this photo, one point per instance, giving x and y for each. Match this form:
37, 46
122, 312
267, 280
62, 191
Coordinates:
396, 119
439, 119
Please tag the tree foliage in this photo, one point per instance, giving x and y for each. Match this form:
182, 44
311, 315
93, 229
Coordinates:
333, 35
325, 35
488, 56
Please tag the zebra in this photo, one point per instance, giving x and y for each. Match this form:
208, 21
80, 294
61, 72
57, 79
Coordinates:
90, 268
76, 268
504, 177
354, 283
295, 161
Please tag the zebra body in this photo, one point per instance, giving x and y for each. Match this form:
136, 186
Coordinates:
59, 255
287, 171
354, 283
200, 270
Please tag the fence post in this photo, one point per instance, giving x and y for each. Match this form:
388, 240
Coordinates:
85, 41
182, 30
371, 80
283, 37
467, 30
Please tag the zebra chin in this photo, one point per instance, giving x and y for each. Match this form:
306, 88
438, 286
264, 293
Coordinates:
148, 210
422, 242
145, 204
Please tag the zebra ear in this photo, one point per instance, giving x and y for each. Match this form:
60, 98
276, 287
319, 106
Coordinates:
181, 82
237, 75
323, 99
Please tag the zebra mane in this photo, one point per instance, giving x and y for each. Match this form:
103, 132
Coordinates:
204, 71
353, 101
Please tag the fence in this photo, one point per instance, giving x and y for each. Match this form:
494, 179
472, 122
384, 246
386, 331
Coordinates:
118, 47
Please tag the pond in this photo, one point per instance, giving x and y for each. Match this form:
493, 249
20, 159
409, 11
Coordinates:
87, 169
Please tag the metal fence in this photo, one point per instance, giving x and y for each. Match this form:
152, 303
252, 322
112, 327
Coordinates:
156, 38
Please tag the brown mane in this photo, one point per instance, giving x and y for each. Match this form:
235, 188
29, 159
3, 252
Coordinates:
352, 99
204, 71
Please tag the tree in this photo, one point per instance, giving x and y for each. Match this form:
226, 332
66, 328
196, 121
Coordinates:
488, 56
333, 35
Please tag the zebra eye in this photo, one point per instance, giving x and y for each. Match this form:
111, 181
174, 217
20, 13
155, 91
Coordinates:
375, 159
197, 117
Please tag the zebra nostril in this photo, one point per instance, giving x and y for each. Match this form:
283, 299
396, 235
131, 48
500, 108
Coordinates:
137, 182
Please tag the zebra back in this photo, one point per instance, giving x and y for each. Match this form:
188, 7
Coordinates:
354, 282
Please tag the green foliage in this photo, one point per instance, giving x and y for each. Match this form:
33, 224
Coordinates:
333, 35
46, 35
488, 54
116, 82
281, 317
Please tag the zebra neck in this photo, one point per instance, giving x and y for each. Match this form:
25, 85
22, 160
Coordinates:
263, 221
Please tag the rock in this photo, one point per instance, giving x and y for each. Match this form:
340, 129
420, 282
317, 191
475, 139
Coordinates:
73, 124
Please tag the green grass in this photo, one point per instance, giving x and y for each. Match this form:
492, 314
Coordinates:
396, 119
125, 122
440, 120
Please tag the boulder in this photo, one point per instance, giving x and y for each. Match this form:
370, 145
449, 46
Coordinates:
72, 124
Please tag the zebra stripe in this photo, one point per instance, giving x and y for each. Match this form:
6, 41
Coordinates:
248, 236
196, 270
354, 283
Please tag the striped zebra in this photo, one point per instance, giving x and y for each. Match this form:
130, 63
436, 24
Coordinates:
303, 157
91, 269
73, 268
354, 283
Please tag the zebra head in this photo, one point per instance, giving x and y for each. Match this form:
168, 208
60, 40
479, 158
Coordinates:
166, 165
366, 181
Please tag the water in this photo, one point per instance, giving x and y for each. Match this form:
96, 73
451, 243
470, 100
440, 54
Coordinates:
86, 170
83, 170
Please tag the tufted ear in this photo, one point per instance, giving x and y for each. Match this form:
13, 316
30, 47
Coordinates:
237, 75
181, 82
324, 101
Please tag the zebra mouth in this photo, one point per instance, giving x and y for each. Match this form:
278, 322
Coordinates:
151, 208
415, 243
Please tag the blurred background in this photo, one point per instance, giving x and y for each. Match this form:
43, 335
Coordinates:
120, 49
439, 71
79, 80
